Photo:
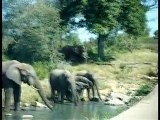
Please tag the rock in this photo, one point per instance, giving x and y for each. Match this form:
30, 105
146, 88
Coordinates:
114, 102
27, 116
107, 99
124, 98
26, 105
103, 97
8, 114
38, 104
94, 99
131, 93
82, 99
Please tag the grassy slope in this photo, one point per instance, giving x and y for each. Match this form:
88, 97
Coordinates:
118, 77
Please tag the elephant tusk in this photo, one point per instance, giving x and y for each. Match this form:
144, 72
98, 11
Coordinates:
34, 88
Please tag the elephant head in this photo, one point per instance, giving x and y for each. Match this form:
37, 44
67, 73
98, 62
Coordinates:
22, 72
70, 79
80, 86
7, 64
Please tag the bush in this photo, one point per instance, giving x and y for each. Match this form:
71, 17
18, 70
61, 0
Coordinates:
143, 90
4, 57
41, 69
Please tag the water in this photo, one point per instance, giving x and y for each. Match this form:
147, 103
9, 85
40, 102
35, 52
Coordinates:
67, 111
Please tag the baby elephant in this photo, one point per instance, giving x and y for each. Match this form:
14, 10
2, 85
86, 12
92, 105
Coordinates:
82, 83
62, 81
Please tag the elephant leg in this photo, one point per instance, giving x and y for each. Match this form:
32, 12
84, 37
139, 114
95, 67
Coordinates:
62, 96
59, 96
88, 92
81, 93
93, 92
8, 95
78, 97
17, 97
53, 94
68, 96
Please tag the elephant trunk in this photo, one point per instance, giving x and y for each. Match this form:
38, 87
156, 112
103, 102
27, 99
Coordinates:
42, 95
98, 91
74, 93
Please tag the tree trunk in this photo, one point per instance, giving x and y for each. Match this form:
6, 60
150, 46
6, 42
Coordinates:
101, 47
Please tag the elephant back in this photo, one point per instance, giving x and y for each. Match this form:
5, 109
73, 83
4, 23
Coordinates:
7, 64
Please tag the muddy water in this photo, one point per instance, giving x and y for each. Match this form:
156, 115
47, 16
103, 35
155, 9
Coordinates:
67, 111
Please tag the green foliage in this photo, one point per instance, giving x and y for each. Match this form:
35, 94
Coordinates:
6, 40
4, 57
41, 69
124, 42
91, 50
104, 16
143, 90
31, 47
35, 29
132, 17
72, 39
156, 34
150, 43
101, 15
134, 100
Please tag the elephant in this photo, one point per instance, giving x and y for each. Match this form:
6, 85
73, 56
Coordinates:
62, 81
80, 86
91, 78
84, 83
7, 64
12, 80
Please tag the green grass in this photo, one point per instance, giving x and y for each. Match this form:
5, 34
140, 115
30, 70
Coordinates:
41, 69
107, 75
143, 90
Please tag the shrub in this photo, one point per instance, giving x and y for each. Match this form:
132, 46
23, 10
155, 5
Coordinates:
41, 69
143, 90
4, 57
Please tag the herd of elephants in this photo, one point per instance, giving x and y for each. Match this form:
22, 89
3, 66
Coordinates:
63, 84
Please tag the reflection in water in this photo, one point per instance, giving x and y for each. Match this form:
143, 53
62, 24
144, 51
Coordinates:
67, 111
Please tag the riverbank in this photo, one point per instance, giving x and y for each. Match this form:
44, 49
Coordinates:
146, 109
124, 75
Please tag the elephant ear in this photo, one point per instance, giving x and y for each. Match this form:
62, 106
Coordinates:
13, 74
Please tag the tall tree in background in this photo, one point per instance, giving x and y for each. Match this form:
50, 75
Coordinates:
102, 17
36, 31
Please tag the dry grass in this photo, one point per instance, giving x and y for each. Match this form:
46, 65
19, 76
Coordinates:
121, 77
118, 77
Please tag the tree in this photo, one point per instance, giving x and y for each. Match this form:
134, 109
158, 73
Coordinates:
156, 34
132, 17
72, 39
102, 17
36, 30
97, 14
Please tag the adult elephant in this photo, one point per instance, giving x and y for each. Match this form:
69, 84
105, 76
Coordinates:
91, 78
7, 64
62, 81
12, 79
